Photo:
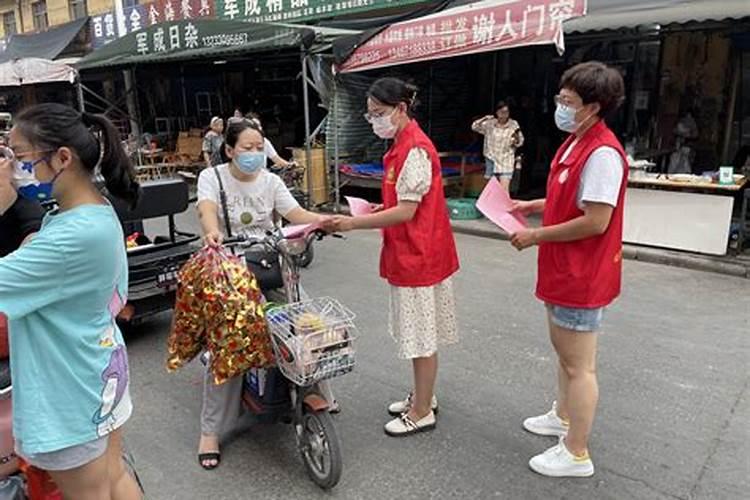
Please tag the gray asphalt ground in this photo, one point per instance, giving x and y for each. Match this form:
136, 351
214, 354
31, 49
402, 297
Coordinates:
673, 413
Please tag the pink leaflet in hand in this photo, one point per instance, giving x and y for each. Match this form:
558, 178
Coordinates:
358, 206
299, 230
497, 206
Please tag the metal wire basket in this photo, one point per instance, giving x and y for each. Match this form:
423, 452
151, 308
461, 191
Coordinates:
313, 339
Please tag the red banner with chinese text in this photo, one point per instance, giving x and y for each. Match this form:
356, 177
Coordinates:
477, 27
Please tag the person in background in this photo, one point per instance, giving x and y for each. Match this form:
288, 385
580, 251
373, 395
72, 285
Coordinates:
254, 196
270, 151
237, 113
686, 133
418, 257
213, 141
502, 137
62, 292
580, 257
20, 219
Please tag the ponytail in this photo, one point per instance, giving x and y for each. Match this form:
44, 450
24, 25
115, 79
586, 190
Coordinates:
114, 164
93, 138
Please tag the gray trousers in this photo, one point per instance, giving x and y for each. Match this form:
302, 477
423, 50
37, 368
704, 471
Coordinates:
222, 404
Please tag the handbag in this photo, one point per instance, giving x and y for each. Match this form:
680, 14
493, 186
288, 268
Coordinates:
264, 264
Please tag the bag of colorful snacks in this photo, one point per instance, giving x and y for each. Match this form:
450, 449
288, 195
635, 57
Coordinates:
219, 307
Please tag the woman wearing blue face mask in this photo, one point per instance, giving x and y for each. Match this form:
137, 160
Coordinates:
62, 292
253, 197
580, 257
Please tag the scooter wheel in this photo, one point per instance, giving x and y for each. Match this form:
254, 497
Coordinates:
321, 449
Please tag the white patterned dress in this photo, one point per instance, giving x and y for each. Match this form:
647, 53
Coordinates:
420, 318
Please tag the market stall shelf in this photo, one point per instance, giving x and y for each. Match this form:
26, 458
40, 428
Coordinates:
456, 167
677, 216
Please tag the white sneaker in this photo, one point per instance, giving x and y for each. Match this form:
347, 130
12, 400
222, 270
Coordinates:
558, 461
400, 407
549, 424
405, 426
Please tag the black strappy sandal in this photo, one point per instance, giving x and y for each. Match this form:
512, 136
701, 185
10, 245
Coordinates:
206, 457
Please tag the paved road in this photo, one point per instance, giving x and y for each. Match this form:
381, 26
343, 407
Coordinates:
673, 412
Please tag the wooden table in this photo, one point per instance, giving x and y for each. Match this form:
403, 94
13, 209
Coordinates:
157, 171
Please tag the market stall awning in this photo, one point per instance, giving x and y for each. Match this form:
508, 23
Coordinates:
196, 39
469, 29
45, 45
31, 71
614, 14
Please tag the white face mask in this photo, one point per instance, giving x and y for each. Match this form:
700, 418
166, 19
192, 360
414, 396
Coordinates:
383, 127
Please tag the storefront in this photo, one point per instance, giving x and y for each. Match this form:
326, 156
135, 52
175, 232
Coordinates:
187, 71
674, 60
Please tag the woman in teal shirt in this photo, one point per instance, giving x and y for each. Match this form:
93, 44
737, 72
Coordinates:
61, 292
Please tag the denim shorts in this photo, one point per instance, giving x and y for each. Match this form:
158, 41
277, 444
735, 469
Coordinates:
576, 319
67, 458
489, 171
489, 168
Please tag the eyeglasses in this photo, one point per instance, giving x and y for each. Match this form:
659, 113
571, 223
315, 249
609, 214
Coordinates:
562, 100
7, 153
370, 117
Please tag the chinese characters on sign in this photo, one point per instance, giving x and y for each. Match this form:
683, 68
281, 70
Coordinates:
270, 11
173, 37
139, 17
103, 29
463, 30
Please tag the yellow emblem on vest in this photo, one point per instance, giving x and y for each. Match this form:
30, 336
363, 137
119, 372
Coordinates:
390, 176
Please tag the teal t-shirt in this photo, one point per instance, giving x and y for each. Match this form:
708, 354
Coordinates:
61, 293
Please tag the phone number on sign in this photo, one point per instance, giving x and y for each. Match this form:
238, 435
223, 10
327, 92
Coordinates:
225, 40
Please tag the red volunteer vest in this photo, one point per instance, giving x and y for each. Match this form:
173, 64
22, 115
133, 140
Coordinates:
420, 252
585, 273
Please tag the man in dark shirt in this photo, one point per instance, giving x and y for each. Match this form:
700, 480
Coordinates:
21, 220
19, 217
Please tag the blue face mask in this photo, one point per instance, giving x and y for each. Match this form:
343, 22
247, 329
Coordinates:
28, 186
565, 118
250, 162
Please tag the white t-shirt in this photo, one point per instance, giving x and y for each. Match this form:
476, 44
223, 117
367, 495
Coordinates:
269, 149
601, 177
251, 205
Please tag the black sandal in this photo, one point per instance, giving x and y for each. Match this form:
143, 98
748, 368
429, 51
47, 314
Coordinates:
206, 457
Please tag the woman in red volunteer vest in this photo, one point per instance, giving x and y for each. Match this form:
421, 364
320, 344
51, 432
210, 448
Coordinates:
580, 257
419, 255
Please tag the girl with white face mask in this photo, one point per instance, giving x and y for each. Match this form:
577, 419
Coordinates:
419, 256
254, 196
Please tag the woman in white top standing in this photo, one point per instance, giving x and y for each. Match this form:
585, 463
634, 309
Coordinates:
253, 197
502, 136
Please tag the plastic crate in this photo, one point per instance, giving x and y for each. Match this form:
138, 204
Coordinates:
463, 209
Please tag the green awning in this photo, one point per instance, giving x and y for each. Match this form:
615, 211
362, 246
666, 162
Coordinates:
197, 39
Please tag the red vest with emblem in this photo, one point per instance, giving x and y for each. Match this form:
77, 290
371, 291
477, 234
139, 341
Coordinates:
420, 252
585, 273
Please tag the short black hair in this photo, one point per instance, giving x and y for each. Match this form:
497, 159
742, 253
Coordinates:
501, 104
596, 82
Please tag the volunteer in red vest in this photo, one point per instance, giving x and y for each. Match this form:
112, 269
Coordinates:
580, 257
419, 255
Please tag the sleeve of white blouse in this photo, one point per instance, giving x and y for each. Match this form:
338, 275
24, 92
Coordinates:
416, 177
